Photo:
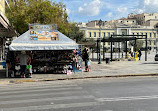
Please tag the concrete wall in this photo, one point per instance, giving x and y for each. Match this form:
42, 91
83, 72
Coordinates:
151, 23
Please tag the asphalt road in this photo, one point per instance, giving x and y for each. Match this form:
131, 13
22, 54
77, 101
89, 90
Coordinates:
103, 94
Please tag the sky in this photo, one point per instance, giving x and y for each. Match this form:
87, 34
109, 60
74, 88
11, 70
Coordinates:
88, 10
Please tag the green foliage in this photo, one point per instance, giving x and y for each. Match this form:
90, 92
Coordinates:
75, 33
139, 44
23, 12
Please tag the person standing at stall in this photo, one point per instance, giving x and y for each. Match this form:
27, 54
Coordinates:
86, 59
30, 64
23, 58
139, 54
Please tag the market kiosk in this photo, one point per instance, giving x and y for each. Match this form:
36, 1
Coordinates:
51, 51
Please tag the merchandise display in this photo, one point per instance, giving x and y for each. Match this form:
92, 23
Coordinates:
77, 61
53, 62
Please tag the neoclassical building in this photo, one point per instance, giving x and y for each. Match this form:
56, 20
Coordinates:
123, 26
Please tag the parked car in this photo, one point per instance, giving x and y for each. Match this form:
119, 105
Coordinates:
156, 57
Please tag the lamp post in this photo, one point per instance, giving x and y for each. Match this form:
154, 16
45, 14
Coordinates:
100, 23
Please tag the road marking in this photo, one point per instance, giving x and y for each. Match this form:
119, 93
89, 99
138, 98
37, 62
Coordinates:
42, 94
46, 99
12, 88
55, 106
41, 90
128, 98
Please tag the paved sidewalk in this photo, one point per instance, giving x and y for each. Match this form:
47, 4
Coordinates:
114, 69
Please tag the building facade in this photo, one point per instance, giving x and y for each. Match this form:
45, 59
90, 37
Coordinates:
144, 17
6, 30
93, 32
2, 6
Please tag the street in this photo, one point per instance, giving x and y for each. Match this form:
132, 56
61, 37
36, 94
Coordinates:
103, 94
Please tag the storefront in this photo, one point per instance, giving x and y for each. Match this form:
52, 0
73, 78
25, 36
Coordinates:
52, 51
6, 35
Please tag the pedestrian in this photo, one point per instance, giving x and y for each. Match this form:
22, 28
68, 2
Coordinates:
30, 64
86, 59
139, 54
23, 58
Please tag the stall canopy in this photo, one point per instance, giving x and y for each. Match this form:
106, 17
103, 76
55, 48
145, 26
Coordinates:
24, 42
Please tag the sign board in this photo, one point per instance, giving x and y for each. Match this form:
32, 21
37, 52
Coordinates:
43, 32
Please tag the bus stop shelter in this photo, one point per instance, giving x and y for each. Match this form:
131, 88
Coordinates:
119, 38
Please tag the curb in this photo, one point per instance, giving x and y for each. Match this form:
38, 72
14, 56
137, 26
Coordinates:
4, 82
125, 75
71, 78
19, 81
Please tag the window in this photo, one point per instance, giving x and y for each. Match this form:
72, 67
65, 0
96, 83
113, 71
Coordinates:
99, 34
133, 21
103, 34
154, 42
150, 42
123, 33
133, 34
146, 34
90, 35
109, 34
155, 35
138, 34
142, 34
94, 34
108, 43
150, 34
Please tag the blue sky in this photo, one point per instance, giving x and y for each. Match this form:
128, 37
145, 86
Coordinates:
87, 10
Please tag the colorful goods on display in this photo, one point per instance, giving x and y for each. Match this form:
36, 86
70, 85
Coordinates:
43, 32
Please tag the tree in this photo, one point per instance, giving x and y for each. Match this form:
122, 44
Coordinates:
17, 15
75, 33
23, 12
139, 44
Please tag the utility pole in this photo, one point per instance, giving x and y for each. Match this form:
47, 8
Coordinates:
100, 23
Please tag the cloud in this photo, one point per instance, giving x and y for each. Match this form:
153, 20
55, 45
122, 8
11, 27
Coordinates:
149, 6
146, 2
122, 9
137, 11
90, 9
110, 14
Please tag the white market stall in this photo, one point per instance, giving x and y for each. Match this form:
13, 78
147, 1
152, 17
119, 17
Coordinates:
51, 53
24, 42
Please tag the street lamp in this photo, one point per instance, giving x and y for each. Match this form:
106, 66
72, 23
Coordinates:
99, 23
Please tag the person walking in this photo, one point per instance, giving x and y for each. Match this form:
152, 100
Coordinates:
86, 59
30, 64
23, 58
139, 54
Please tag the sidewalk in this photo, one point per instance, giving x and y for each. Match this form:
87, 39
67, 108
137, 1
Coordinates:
114, 69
